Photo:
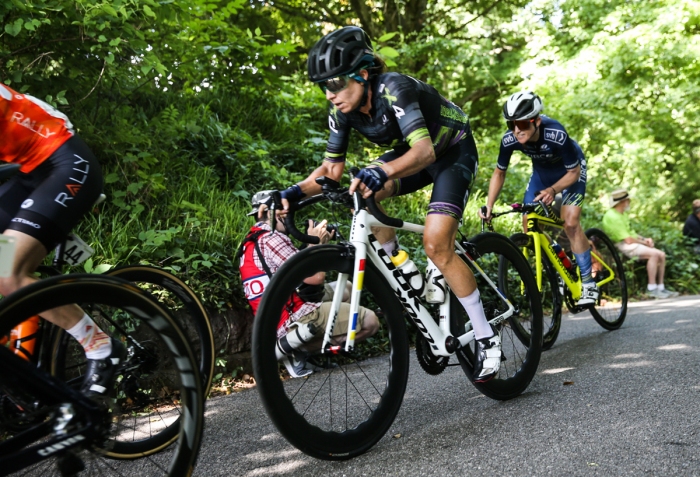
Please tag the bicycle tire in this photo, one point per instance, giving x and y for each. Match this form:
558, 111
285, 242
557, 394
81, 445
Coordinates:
552, 300
611, 309
184, 306
521, 334
313, 430
114, 292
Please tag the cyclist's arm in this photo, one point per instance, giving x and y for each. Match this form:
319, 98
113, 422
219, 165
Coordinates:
418, 157
569, 179
332, 170
498, 178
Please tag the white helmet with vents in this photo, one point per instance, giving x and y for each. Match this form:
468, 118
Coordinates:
522, 105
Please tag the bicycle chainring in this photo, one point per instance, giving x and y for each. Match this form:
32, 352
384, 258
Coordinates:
430, 363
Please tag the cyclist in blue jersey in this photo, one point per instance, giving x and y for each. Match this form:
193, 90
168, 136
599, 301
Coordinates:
431, 143
558, 165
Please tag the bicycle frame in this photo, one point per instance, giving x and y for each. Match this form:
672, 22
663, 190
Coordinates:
14, 455
438, 335
541, 241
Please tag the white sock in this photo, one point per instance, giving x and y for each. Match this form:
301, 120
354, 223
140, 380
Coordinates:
660, 286
95, 342
651, 287
472, 305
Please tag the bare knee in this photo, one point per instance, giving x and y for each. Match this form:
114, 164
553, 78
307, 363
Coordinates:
439, 252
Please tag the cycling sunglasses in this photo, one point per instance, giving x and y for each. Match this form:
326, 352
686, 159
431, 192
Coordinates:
523, 125
335, 85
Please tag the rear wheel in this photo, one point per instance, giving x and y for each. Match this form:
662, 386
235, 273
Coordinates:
184, 306
136, 315
521, 334
341, 411
149, 410
552, 299
611, 309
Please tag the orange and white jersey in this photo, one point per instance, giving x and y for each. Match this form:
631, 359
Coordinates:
30, 129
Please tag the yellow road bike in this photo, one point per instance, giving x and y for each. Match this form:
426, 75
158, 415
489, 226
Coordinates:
559, 278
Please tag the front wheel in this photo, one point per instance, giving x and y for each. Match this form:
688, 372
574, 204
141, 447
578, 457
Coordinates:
521, 333
611, 309
156, 385
340, 411
552, 299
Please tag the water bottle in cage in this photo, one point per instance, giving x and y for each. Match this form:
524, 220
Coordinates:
435, 284
409, 271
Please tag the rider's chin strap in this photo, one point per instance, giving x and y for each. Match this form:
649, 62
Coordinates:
365, 94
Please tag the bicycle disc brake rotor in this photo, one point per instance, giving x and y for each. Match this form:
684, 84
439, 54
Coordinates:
430, 363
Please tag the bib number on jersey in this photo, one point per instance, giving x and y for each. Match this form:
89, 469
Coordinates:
7, 255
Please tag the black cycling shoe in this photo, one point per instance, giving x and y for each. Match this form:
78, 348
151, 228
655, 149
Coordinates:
101, 373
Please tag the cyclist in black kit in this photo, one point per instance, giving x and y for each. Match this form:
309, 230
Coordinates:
431, 143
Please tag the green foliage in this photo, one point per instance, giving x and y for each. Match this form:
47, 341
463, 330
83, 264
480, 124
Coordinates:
192, 106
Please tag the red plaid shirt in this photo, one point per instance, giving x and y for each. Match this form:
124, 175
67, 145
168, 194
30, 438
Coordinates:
277, 248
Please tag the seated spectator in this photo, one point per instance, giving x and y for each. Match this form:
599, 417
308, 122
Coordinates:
261, 255
616, 225
691, 228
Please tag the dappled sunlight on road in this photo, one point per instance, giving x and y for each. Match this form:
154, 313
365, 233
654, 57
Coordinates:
556, 370
277, 469
580, 317
633, 364
628, 356
673, 347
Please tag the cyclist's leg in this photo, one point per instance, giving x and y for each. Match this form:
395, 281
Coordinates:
534, 185
453, 176
60, 191
405, 185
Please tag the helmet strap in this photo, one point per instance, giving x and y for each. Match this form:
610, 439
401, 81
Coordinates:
365, 93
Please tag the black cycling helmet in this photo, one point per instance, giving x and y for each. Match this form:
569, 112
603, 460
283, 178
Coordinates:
522, 105
341, 52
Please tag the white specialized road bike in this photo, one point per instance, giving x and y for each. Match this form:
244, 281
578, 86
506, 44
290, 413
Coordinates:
343, 409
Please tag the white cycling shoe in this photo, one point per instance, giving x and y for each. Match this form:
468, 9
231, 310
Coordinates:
589, 294
488, 358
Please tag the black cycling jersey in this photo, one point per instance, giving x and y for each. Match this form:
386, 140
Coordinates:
404, 111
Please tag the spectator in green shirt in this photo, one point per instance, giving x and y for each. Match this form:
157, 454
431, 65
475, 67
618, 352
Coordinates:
616, 224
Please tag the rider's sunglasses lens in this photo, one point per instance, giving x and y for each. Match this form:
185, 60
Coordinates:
335, 85
521, 125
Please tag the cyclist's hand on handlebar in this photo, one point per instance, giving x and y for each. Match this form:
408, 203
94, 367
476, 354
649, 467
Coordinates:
290, 194
320, 231
546, 196
369, 180
485, 213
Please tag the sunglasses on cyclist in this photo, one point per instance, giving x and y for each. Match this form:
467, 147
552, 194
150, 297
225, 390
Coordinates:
523, 125
335, 85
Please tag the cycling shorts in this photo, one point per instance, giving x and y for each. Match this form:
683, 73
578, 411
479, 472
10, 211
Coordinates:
452, 176
48, 202
543, 177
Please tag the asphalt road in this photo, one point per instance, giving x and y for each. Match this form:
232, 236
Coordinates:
632, 408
